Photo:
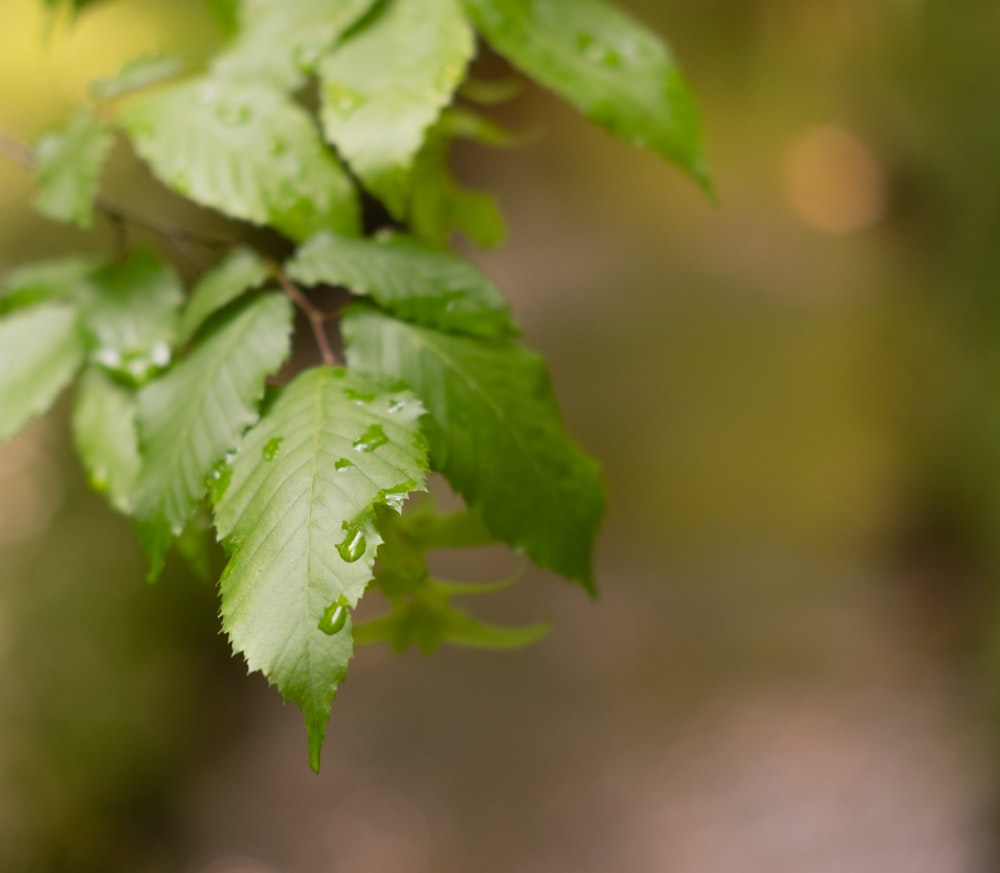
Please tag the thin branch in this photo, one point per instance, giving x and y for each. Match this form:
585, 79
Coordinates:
16, 151
316, 316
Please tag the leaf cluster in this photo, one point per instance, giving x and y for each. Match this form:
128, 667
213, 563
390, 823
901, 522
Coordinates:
185, 405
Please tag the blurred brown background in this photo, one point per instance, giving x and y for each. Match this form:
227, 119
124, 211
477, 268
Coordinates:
796, 400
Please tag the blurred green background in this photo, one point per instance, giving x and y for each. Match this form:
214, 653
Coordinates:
793, 666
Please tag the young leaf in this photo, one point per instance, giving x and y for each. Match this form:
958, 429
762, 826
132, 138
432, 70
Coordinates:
245, 149
104, 429
281, 41
429, 623
612, 68
196, 413
439, 205
298, 521
129, 310
70, 160
139, 73
409, 279
54, 280
495, 433
40, 352
241, 271
384, 87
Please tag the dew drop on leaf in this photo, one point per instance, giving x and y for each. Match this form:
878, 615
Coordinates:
371, 439
394, 498
397, 405
344, 100
353, 545
334, 617
597, 52
306, 57
343, 464
271, 449
218, 482
359, 397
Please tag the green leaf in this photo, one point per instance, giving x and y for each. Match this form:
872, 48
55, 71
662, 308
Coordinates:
45, 281
129, 310
70, 160
105, 433
138, 74
281, 41
193, 416
612, 68
298, 521
226, 12
469, 125
409, 279
385, 86
492, 92
40, 352
495, 433
439, 205
195, 546
428, 624
242, 270
244, 149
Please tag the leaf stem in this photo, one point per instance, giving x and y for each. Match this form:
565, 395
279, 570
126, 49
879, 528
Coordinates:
317, 318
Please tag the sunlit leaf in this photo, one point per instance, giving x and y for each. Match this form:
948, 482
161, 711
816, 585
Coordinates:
281, 41
193, 416
385, 86
242, 270
298, 519
70, 160
411, 280
244, 149
129, 310
40, 352
104, 429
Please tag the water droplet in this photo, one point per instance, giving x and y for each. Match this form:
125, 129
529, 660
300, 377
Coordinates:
359, 397
233, 115
140, 369
343, 464
353, 545
218, 482
176, 530
334, 617
208, 92
344, 100
272, 447
109, 358
597, 52
160, 355
371, 439
394, 498
306, 56
397, 405
99, 479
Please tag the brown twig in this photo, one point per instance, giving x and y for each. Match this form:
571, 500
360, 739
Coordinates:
16, 151
317, 318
